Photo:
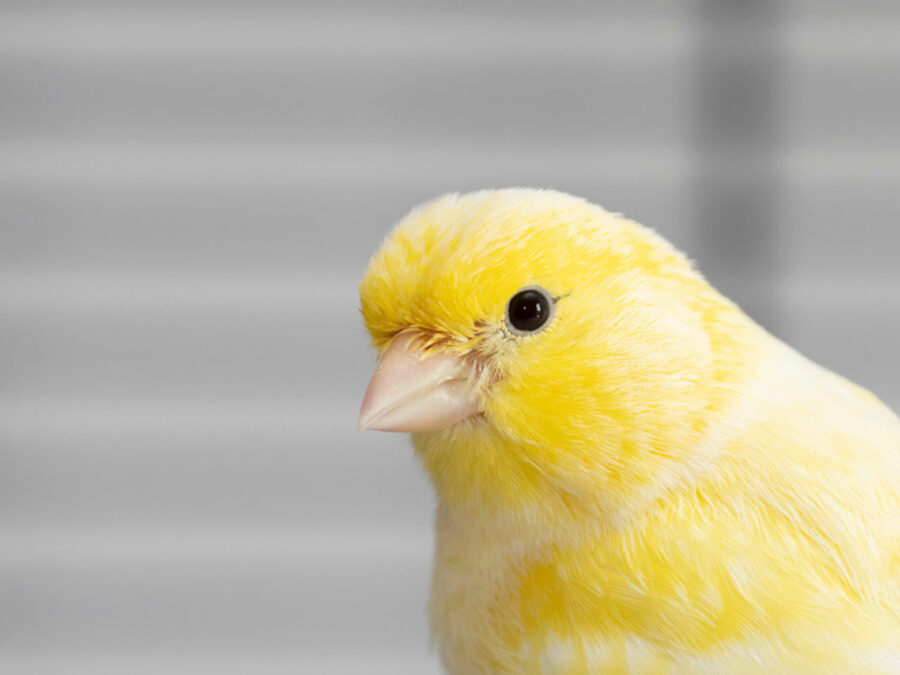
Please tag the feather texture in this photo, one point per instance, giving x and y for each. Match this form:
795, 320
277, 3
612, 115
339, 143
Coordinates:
656, 484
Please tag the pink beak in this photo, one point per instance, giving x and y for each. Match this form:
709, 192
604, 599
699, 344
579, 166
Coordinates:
411, 391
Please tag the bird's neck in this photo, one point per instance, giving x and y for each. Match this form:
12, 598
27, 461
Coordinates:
487, 486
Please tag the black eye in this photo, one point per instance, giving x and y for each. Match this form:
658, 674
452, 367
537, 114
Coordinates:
529, 310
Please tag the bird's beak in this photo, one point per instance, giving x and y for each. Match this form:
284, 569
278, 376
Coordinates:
411, 391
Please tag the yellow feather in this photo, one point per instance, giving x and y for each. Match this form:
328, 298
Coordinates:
657, 484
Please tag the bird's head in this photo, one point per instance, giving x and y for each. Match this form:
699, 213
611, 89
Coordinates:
539, 346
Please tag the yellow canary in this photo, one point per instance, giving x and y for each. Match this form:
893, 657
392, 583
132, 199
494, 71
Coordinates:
631, 475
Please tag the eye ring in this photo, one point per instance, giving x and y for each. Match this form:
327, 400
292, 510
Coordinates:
529, 311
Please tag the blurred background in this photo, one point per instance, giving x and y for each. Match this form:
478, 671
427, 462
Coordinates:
189, 193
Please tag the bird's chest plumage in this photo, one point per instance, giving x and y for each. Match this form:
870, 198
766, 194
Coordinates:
474, 615
673, 599
489, 607
506, 607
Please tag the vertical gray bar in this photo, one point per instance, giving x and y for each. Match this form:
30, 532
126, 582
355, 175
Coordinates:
737, 123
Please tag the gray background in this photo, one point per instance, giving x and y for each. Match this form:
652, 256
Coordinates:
189, 193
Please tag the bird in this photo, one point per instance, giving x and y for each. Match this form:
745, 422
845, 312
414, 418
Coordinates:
631, 475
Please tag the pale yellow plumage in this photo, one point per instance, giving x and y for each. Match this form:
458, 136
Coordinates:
656, 484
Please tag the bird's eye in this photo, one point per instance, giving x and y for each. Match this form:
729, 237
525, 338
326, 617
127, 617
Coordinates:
529, 310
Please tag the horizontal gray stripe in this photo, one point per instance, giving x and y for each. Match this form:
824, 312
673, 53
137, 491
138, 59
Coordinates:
213, 663
471, 102
42, 548
176, 163
328, 165
301, 34
288, 606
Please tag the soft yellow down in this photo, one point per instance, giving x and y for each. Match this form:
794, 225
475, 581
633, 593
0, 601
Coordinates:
657, 484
